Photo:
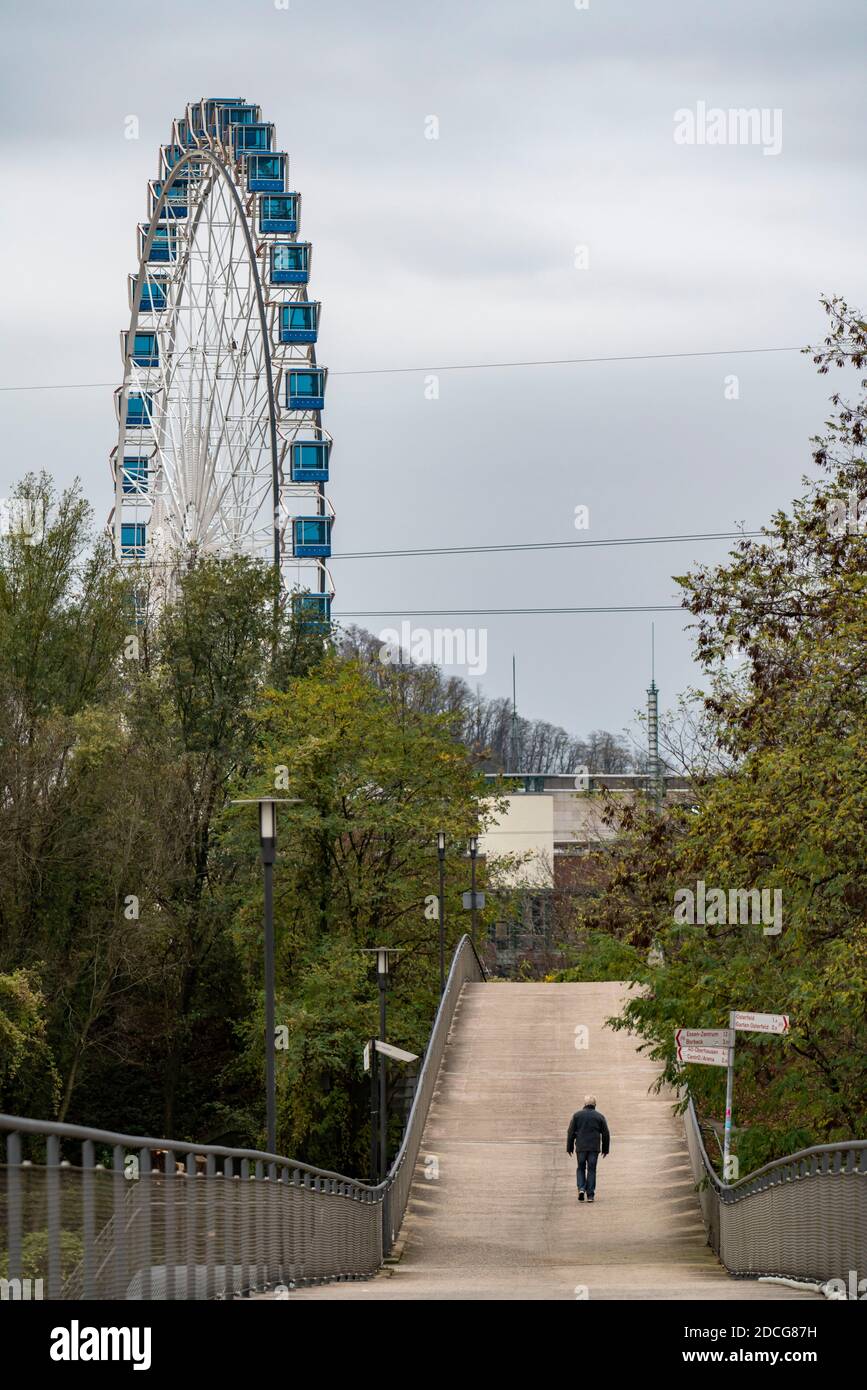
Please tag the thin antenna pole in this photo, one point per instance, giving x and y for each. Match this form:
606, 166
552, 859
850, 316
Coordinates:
654, 767
514, 719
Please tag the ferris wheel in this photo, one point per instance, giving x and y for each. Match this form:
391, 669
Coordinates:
221, 449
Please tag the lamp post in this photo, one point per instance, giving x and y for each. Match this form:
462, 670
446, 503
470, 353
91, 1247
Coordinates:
382, 979
268, 844
441, 851
474, 849
374, 1123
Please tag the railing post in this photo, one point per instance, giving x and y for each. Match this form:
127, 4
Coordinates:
119, 1179
246, 1281
274, 1268
170, 1244
52, 1193
88, 1215
145, 1191
228, 1228
192, 1255
286, 1199
210, 1223
260, 1223
15, 1214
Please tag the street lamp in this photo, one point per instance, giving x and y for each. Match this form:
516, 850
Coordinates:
382, 980
441, 851
474, 849
268, 845
379, 1050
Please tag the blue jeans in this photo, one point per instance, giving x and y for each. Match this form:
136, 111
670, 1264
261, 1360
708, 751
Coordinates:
586, 1173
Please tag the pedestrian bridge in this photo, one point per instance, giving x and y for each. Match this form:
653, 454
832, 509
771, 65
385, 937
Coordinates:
493, 1211
479, 1203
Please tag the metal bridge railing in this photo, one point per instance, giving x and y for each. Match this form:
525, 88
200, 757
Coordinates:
466, 966
800, 1217
92, 1214
128, 1217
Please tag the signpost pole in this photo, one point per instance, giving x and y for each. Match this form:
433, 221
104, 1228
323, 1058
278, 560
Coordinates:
374, 1166
730, 1085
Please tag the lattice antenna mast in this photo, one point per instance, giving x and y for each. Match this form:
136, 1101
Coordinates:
654, 766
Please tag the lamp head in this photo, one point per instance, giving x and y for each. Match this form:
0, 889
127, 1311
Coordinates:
268, 830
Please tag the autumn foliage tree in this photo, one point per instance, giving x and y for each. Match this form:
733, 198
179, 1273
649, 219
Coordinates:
786, 809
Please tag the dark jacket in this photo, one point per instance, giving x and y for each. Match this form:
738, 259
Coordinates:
586, 1129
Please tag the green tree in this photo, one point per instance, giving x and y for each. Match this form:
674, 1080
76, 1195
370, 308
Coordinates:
376, 779
785, 811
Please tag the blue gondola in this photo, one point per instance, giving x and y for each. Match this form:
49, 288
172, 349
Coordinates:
164, 246
279, 212
133, 535
299, 323
139, 411
153, 295
266, 173
212, 107
176, 198
290, 263
314, 611
309, 460
145, 351
196, 118
247, 138
171, 154
311, 536
305, 390
135, 475
184, 135
238, 113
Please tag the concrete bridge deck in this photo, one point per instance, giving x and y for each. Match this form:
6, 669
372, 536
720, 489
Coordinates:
498, 1218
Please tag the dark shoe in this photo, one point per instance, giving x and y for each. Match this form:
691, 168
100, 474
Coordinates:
591, 1199
580, 1196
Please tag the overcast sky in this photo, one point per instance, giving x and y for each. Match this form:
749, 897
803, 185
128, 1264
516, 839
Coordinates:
556, 131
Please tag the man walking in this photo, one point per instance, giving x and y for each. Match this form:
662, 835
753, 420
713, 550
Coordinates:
587, 1131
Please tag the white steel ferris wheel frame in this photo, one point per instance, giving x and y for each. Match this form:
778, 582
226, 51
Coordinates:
215, 438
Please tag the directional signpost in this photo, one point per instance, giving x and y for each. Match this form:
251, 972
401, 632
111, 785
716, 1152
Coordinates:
397, 1054
708, 1046
708, 1056
704, 1037
761, 1023
715, 1047
388, 1050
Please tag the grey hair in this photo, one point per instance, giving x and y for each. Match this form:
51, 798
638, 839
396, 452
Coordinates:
589, 1100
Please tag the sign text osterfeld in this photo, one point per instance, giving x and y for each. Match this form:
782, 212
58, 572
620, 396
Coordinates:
761, 1023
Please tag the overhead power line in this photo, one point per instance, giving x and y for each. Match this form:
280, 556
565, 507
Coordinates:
457, 366
564, 361
544, 545
487, 612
